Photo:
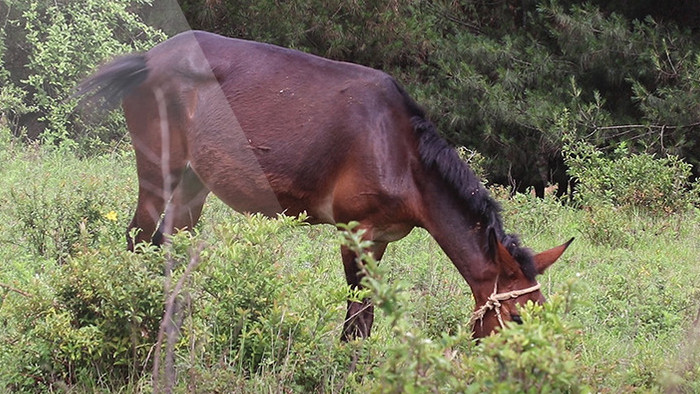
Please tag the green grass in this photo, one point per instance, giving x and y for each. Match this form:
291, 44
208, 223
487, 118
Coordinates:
264, 308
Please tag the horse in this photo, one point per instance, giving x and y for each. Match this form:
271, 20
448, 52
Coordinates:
274, 130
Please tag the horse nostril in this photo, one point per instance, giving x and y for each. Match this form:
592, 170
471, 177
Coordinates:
516, 318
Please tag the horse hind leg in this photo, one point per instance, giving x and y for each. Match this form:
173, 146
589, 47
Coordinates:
161, 158
154, 191
185, 207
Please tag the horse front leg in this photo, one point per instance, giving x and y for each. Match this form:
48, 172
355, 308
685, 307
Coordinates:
360, 315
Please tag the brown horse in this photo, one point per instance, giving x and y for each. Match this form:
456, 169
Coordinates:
272, 130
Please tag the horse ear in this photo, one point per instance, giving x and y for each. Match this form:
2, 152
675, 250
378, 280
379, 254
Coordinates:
548, 257
501, 256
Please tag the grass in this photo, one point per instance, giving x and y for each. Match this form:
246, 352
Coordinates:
264, 309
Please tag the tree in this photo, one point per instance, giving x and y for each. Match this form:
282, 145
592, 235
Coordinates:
494, 76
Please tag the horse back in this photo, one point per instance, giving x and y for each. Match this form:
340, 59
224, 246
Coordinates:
330, 138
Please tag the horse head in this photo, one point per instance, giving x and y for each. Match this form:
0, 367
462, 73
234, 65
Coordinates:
497, 302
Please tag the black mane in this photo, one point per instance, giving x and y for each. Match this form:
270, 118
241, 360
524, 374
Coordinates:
436, 153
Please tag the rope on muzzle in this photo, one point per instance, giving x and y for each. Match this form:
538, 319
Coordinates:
494, 302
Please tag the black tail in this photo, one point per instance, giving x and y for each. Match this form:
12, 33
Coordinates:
115, 80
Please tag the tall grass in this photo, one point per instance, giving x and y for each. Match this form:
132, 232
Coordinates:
263, 310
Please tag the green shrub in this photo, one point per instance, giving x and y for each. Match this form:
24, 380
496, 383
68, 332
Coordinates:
103, 309
607, 225
61, 43
632, 182
626, 195
239, 284
92, 322
532, 357
532, 215
476, 161
55, 201
54, 217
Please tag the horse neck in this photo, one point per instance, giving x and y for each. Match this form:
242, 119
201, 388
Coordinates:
459, 234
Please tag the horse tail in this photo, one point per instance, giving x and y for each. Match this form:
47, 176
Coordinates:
115, 80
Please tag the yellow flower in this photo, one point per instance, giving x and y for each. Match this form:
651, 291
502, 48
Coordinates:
111, 216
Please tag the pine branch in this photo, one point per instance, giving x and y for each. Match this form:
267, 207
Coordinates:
18, 291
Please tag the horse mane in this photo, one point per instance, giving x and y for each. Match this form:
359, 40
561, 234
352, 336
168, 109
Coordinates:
436, 153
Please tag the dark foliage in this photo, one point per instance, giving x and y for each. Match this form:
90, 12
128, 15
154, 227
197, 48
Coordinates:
494, 76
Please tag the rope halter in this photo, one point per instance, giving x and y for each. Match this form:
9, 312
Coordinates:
494, 302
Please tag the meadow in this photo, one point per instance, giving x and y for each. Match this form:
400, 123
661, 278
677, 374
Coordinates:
258, 304
248, 304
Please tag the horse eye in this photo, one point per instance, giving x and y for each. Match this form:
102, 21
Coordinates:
516, 318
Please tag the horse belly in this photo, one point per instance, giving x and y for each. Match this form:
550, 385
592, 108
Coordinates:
242, 186
271, 151
228, 167
235, 174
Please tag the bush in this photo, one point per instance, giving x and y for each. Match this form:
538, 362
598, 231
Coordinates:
532, 357
237, 288
101, 310
57, 202
532, 215
53, 218
625, 194
60, 43
632, 182
92, 322
608, 225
